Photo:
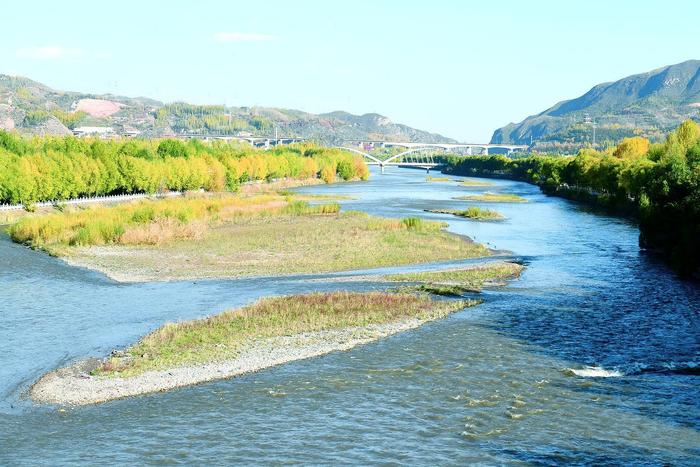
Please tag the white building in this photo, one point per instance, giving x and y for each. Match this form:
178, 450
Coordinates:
102, 131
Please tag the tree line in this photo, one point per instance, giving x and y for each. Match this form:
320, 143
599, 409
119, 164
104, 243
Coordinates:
659, 183
58, 168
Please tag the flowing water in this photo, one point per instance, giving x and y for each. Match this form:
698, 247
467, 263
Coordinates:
590, 357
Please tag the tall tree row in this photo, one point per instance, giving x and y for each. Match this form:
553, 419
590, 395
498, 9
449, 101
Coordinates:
52, 168
660, 183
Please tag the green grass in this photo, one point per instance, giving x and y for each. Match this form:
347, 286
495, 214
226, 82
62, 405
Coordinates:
493, 198
472, 212
474, 182
458, 281
430, 178
223, 336
437, 289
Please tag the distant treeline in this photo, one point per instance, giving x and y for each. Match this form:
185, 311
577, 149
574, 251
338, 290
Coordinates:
660, 183
56, 168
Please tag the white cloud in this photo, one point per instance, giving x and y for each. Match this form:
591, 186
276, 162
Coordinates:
242, 37
49, 52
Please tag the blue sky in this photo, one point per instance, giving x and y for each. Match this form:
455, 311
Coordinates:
455, 67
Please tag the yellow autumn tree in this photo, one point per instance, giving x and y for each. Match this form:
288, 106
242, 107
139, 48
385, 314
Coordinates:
632, 148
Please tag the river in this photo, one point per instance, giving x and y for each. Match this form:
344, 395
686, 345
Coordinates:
490, 384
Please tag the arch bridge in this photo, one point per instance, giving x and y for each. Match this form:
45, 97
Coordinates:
422, 154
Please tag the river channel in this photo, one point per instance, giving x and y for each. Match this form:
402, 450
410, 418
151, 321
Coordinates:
590, 357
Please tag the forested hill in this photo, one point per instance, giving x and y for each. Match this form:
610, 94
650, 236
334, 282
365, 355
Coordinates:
648, 104
31, 107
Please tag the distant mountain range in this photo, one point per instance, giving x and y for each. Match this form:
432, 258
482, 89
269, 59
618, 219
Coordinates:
31, 107
648, 104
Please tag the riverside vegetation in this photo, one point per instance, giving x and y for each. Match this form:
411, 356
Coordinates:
229, 235
658, 183
57, 168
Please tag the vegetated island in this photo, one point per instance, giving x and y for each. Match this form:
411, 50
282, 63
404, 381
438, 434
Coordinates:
472, 212
230, 236
456, 282
269, 332
430, 178
474, 182
493, 198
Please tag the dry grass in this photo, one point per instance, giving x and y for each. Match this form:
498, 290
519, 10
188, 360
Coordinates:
277, 185
161, 231
283, 244
223, 336
430, 178
152, 222
474, 182
493, 198
234, 236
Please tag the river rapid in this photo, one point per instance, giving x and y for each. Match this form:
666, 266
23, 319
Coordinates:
590, 357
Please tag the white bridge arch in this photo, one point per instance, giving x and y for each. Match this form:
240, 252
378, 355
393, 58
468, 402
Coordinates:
427, 162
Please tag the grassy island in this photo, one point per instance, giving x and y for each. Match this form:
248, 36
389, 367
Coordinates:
472, 212
224, 336
474, 182
231, 235
269, 332
454, 282
493, 198
430, 178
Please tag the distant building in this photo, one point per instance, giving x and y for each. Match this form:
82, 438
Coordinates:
102, 131
130, 132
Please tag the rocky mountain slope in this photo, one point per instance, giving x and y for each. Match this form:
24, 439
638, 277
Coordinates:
31, 107
648, 104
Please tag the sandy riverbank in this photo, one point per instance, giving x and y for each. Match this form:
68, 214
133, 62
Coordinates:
74, 385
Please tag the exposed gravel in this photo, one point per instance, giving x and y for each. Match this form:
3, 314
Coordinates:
74, 385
